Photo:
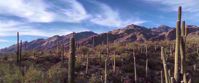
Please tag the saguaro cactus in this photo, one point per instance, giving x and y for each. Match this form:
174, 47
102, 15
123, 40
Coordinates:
169, 75
176, 73
20, 51
170, 50
182, 52
147, 61
161, 76
164, 65
71, 63
198, 51
87, 62
183, 29
105, 71
189, 80
114, 64
172, 80
63, 54
93, 42
179, 13
58, 49
107, 44
87, 56
135, 71
18, 54
186, 30
181, 33
106, 59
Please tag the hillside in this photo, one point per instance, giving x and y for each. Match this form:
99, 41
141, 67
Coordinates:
130, 33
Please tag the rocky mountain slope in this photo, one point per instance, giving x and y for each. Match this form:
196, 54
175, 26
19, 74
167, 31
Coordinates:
130, 33
134, 33
50, 43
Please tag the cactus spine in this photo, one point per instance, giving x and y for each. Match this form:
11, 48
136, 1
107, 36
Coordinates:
71, 63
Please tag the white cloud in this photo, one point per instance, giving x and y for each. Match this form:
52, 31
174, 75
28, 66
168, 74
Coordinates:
38, 10
190, 7
112, 18
75, 12
9, 28
32, 10
3, 41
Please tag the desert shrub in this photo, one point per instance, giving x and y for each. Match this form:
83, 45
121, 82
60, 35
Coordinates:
95, 79
10, 73
57, 74
32, 75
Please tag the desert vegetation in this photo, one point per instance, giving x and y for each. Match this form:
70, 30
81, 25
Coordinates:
165, 61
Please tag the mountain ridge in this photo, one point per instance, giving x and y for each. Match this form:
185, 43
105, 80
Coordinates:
130, 33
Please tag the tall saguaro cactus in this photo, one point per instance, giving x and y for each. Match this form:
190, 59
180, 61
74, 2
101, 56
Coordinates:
176, 73
114, 62
87, 63
197, 51
161, 76
87, 56
180, 13
93, 42
71, 63
186, 30
182, 52
106, 59
58, 49
63, 54
105, 71
20, 51
147, 61
18, 48
181, 33
182, 48
135, 70
183, 28
164, 65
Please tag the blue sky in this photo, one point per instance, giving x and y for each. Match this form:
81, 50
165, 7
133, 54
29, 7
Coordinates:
44, 18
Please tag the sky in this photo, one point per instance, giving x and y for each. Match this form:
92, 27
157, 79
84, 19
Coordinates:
44, 18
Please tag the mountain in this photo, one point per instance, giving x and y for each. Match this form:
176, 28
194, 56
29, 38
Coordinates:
135, 33
161, 28
50, 43
130, 33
